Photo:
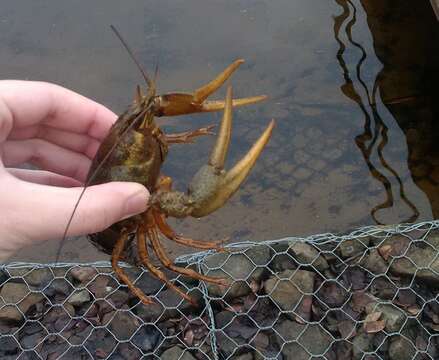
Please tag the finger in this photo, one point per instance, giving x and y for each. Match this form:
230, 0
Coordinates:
46, 156
100, 207
80, 143
44, 177
30, 103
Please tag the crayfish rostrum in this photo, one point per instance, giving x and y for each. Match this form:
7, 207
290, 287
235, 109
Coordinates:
135, 150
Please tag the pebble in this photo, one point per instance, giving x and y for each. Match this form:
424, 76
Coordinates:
176, 352
238, 269
288, 290
79, 297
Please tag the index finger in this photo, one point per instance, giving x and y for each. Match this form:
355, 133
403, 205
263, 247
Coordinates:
31, 103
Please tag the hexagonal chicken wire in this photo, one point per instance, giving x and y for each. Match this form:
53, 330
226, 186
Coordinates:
370, 294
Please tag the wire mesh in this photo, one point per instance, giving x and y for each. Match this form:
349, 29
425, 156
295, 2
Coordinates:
369, 294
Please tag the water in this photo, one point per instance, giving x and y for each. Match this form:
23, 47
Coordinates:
351, 86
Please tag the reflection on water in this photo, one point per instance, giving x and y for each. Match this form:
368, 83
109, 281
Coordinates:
337, 159
370, 140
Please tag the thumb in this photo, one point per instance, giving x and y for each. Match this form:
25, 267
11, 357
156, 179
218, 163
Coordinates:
103, 205
43, 212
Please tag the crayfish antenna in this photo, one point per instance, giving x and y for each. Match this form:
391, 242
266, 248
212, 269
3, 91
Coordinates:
148, 81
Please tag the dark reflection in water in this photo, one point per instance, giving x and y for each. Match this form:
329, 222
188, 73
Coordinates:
406, 39
337, 159
371, 140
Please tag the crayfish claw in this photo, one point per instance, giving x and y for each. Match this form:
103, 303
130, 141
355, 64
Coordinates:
183, 103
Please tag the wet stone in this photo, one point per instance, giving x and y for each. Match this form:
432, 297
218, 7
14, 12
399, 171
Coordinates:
246, 356
151, 312
306, 254
239, 266
375, 263
415, 258
148, 338
302, 173
79, 297
8, 346
332, 154
362, 343
394, 317
10, 313
401, 349
176, 352
349, 248
149, 284
100, 343
19, 294
58, 287
288, 290
83, 274
123, 325
128, 351
38, 278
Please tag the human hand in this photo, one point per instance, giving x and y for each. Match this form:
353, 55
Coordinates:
59, 131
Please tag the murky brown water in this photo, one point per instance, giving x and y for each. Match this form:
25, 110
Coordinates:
352, 85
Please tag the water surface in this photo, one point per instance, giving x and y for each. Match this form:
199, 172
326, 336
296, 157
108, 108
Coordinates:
352, 86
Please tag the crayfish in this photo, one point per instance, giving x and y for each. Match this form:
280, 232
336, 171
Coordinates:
135, 149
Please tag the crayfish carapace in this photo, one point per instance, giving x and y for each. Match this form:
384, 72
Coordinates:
135, 149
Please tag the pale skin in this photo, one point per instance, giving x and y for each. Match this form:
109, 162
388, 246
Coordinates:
58, 131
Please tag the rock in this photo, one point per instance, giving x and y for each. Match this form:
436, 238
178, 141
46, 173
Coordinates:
281, 262
8, 346
151, 312
261, 342
401, 349
226, 345
362, 343
3, 277
79, 297
10, 313
332, 294
315, 340
307, 254
375, 263
14, 292
83, 274
349, 248
123, 325
237, 268
148, 338
302, 338
332, 154
317, 164
301, 157
176, 353
415, 258
18, 294
246, 356
38, 278
129, 351
394, 318
224, 318
289, 291
302, 173
60, 287
100, 342
118, 298
149, 284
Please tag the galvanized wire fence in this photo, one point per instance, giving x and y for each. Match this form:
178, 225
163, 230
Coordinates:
370, 294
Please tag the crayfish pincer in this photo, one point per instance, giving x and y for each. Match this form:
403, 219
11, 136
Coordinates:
135, 150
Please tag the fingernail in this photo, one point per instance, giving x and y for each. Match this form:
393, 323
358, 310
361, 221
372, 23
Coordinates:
136, 203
